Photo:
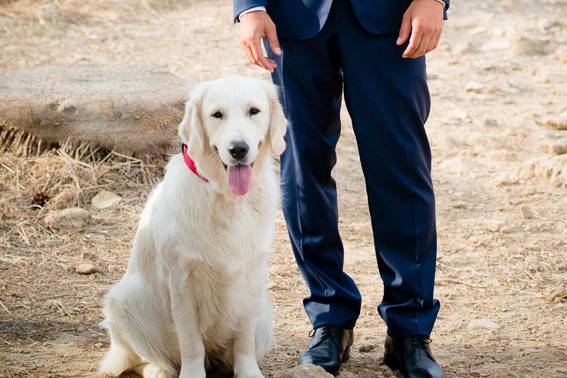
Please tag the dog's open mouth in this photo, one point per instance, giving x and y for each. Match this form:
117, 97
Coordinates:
239, 178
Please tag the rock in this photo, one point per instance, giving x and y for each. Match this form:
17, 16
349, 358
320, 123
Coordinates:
459, 115
73, 218
86, 268
105, 200
495, 226
476, 87
561, 53
305, 371
62, 200
459, 205
555, 148
527, 212
462, 48
545, 24
490, 122
365, 348
552, 168
530, 46
496, 44
485, 324
347, 374
556, 123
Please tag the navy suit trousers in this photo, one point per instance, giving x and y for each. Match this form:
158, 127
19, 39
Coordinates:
388, 101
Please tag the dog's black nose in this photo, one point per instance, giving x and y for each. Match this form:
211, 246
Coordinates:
238, 150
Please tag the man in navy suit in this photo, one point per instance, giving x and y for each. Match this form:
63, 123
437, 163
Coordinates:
373, 50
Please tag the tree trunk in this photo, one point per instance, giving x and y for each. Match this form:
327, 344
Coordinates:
133, 110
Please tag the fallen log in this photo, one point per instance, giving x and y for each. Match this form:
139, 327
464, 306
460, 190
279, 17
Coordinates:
133, 110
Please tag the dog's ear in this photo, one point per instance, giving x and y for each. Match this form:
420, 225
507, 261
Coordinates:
278, 123
191, 129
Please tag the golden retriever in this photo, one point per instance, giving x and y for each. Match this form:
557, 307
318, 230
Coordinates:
194, 296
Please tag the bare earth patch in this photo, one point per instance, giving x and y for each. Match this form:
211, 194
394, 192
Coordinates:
498, 88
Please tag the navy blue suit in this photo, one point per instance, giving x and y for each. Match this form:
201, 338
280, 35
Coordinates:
335, 46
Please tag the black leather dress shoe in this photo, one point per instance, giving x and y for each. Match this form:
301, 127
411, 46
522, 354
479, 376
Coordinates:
329, 348
412, 356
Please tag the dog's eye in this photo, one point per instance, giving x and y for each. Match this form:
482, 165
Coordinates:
253, 111
217, 114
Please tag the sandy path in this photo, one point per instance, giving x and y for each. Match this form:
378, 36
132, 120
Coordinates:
502, 272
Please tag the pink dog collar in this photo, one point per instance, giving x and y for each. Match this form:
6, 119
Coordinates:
191, 163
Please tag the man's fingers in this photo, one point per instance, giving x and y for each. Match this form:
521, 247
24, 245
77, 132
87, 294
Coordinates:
415, 40
433, 42
273, 42
423, 46
404, 31
248, 52
256, 48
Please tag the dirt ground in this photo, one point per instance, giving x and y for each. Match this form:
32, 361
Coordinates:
498, 83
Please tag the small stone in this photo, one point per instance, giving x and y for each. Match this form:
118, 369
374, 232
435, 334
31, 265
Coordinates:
530, 46
459, 205
556, 123
86, 268
561, 53
497, 44
73, 218
365, 348
485, 323
490, 122
62, 200
291, 350
495, 226
462, 48
476, 87
460, 115
555, 148
305, 371
527, 212
545, 24
98, 345
105, 199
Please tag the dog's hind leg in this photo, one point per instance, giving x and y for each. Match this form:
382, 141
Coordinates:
118, 359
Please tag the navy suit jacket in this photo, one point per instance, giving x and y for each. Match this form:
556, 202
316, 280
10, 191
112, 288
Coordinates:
303, 19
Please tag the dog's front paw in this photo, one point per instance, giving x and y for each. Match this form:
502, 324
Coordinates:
192, 372
248, 373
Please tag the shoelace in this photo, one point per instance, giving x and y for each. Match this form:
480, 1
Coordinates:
421, 341
325, 334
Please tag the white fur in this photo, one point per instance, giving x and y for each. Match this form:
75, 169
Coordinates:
195, 291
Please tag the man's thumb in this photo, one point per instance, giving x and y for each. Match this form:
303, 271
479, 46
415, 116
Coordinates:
273, 42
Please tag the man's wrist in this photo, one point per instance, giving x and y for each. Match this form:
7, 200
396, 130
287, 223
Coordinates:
254, 9
442, 2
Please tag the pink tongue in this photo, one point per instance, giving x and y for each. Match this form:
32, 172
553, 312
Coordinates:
239, 178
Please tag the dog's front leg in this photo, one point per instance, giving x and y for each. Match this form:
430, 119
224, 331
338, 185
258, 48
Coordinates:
245, 363
192, 349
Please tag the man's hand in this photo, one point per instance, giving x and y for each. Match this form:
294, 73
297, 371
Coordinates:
253, 27
424, 20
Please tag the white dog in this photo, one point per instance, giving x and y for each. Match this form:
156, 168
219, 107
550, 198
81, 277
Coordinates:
195, 294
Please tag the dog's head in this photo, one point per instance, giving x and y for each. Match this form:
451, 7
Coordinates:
231, 127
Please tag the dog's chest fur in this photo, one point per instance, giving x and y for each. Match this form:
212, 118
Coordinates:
220, 245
